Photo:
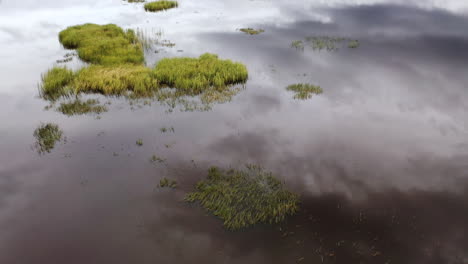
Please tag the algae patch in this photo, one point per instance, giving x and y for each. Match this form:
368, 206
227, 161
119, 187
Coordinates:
242, 198
304, 91
47, 135
79, 107
160, 5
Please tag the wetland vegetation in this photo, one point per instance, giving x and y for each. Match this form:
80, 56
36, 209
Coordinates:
160, 5
47, 135
80, 107
304, 91
251, 31
327, 43
242, 198
165, 182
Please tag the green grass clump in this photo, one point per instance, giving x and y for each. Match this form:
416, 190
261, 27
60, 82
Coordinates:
193, 75
160, 5
304, 90
155, 159
46, 136
103, 44
78, 107
55, 83
165, 182
297, 44
115, 80
252, 31
353, 44
244, 198
139, 142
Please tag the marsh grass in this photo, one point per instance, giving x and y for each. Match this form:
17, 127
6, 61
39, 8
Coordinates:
103, 44
353, 44
155, 159
298, 44
160, 5
304, 91
191, 76
55, 83
139, 142
242, 198
165, 182
251, 31
79, 107
47, 135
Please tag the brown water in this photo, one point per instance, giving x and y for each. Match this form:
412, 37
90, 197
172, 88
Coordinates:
380, 159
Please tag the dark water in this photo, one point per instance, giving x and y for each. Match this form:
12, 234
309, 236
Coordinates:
380, 159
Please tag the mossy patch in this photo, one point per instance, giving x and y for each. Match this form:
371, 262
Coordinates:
193, 75
304, 91
251, 31
79, 107
160, 5
242, 198
103, 44
47, 135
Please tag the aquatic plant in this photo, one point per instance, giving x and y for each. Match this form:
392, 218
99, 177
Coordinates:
324, 42
55, 83
78, 107
304, 90
353, 44
252, 31
47, 135
297, 44
136, 1
103, 44
139, 142
193, 75
155, 159
165, 182
160, 5
242, 198
115, 80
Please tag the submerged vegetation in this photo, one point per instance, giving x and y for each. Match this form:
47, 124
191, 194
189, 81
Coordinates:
55, 83
103, 44
304, 91
242, 198
165, 182
325, 43
139, 142
47, 135
79, 107
252, 31
160, 5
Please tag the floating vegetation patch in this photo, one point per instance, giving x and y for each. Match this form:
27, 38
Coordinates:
79, 107
136, 1
47, 135
103, 44
158, 159
164, 129
192, 76
242, 198
160, 5
304, 91
298, 44
325, 43
139, 142
165, 182
252, 31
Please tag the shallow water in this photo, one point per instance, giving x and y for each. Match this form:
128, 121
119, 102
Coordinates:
380, 158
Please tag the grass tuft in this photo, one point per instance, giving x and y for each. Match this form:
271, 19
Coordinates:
353, 44
139, 142
165, 182
304, 91
160, 5
193, 75
46, 136
242, 198
55, 83
103, 44
252, 31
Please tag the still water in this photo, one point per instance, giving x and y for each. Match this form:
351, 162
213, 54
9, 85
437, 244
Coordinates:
380, 158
